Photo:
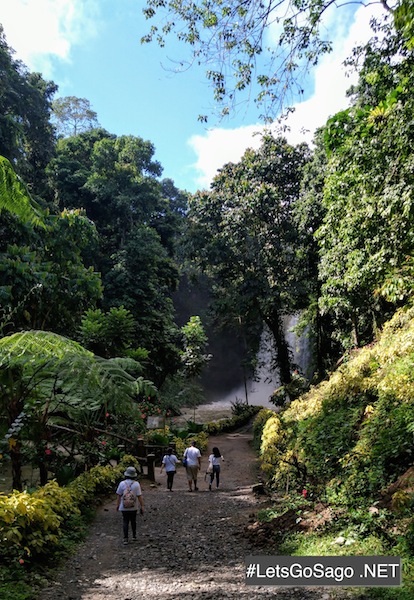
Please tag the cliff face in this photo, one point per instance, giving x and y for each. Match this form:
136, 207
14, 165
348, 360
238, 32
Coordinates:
224, 372
224, 378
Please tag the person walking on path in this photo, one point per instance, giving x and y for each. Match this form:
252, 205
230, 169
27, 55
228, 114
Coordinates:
215, 459
128, 495
193, 457
169, 461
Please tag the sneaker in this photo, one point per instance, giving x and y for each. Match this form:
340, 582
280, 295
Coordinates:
125, 542
134, 539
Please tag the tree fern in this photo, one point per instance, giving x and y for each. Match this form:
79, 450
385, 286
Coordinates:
85, 381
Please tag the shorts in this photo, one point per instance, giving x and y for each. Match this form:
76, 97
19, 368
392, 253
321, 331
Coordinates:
192, 473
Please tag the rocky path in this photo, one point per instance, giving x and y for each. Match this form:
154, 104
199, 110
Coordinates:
190, 545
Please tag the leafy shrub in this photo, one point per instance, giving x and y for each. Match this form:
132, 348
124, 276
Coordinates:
258, 424
28, 525
32, 525
244, 416
201, 440
193, 427
239, 407
157, 437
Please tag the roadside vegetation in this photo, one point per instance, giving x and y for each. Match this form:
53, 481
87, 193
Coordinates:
340, 458
43, 526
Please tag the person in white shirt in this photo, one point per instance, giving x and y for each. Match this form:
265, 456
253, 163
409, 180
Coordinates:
215, 459
169, 461
193, 456
129, 514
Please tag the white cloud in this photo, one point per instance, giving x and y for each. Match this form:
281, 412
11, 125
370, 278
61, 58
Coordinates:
220, 146
41, 31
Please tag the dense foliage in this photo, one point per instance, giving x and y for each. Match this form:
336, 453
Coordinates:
89, 254
327, 232
96, 254
350, 436
345, 450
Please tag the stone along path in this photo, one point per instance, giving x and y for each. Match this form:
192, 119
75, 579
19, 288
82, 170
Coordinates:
190, 545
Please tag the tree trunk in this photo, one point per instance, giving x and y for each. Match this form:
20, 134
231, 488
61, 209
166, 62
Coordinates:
43, 473
16, 465
283, 354
355, 330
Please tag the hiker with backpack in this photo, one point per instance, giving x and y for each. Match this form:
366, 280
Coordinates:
128, 496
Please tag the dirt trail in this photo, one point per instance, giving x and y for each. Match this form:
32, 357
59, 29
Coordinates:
191, 545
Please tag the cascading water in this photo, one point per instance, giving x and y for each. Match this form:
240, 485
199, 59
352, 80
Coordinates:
258, 391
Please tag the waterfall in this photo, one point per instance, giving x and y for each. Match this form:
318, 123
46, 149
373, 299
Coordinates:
259, 389
300, 346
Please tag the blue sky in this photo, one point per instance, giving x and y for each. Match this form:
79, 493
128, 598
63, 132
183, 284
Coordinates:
91, 49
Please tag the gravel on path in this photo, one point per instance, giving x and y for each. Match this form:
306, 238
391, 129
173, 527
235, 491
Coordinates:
190, 545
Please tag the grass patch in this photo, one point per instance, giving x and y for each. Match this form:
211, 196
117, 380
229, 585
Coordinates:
315, 544
293, 527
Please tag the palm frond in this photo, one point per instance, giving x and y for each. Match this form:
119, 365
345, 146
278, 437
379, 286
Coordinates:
145, 387
70, 377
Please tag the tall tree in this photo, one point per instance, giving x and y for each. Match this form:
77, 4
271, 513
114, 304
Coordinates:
44, 282
142, 279
367, 238
193, 357
15, 198
73, 115
243, 235
26, 134
138, 219
308, 215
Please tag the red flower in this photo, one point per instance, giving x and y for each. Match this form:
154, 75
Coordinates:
21, 561
48, 451
143, 416
107, 415
304, 492
103, 443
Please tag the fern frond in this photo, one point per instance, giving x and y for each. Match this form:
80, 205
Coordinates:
15, 198
40, 345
